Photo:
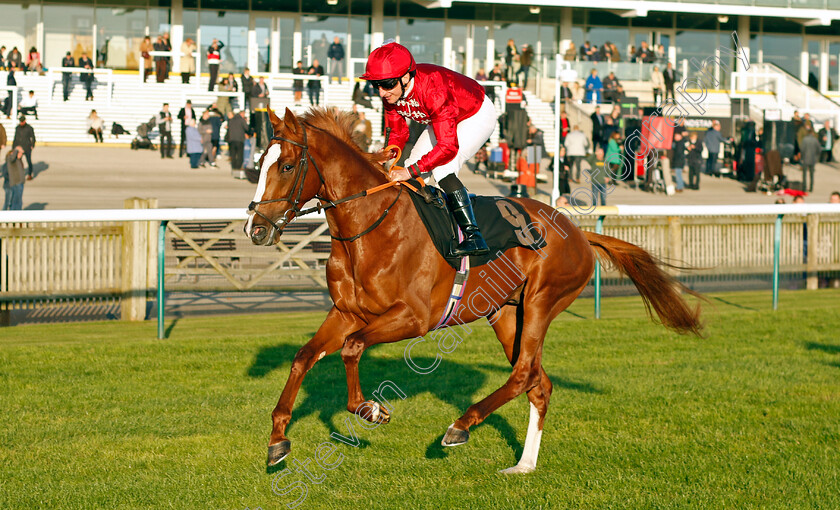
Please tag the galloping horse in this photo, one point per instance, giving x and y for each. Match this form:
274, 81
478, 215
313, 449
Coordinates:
388, 283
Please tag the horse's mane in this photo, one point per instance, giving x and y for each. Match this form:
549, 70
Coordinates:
340, 125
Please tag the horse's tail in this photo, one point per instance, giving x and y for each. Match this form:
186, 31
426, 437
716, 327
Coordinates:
658, 288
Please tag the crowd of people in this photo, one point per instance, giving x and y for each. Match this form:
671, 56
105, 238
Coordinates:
609, 52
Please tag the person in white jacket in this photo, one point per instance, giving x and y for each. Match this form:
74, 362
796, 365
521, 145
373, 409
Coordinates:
577, 147
657, 80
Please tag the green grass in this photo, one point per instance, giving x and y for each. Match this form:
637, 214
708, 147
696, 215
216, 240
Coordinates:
104, 416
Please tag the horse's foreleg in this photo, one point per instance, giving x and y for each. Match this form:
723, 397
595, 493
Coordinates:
327, 340
538, 398
398, 323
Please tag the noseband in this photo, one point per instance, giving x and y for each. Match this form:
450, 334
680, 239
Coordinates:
297, 190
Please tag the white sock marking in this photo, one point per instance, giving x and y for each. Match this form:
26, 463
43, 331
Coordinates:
528, 462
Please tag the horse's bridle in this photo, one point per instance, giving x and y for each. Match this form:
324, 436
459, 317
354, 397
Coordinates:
324, 203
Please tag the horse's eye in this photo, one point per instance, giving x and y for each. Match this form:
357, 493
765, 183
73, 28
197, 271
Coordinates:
288, 168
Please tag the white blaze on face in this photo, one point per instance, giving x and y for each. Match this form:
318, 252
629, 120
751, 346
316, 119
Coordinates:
271, 157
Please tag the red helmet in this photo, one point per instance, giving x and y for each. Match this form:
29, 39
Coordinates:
391, 60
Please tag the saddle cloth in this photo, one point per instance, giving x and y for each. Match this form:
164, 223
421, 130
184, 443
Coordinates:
504, 224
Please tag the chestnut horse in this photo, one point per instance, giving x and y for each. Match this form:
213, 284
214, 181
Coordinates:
388, 283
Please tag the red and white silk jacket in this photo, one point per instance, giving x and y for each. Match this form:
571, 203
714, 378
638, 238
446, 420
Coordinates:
442, 98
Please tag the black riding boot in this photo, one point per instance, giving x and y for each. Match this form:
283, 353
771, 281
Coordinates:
460, 206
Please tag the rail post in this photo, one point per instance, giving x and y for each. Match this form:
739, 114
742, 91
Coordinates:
811, 264
134, 265
599, 229
777, 243
161, 290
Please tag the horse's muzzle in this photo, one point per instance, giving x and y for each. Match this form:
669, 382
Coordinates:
259, 235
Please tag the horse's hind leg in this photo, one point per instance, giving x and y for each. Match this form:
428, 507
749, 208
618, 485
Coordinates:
327, 340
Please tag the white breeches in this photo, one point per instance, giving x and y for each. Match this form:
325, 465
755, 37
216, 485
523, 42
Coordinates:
472, 133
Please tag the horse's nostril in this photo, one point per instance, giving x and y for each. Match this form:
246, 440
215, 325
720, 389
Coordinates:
258, 234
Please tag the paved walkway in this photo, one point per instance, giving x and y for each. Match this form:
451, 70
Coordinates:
103, 177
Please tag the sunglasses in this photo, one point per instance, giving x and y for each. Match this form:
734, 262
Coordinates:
385, 84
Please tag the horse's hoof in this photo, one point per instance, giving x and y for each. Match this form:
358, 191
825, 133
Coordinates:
517, 470
278, 452
374, 413
455, 437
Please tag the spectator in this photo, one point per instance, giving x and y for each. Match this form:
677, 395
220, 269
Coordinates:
188, 47
313, 87
525, 59
14, 60
25, 139
481, 75
193, 143
645, 54
511, 55
614, 162
593, 87
615, 56
95, 124
827, 138
364, 130
585, 51
164, 122
223, 102
659, 53
594, 54
214, 58
834, 198
3, 57
780, 201
11, 82
577, 146
247, 86
29, 104
577, 92
216, 120
631, 54
565, 92
186, 114
564, 126
571, 53
145, 48
3, 139
611, 84
598, 176
297, 86
670, 78
205, 129
564, 166
678, 159
360, 98
260, 89
87, 78
495, 75
67, 61
33, 61
798, 199
712, 140
13, 179
810, 153
608, 129
561, 201
598, 124
167, 46
237, 133
160, 62
336, 56
657, 80
695, 160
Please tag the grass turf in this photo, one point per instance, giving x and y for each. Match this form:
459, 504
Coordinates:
102, 415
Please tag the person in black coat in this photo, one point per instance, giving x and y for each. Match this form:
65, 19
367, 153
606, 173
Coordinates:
670, 78
87, 78
336, 55
25, 139
186, 114
598, 125
247, 86
314, 86
67, 61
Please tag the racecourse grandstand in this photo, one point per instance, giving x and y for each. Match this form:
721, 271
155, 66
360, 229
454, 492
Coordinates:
793, 46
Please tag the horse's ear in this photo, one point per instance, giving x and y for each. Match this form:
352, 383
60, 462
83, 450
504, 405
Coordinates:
275, 120
291, 121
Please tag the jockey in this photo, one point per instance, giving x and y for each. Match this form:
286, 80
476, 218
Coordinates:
459, 119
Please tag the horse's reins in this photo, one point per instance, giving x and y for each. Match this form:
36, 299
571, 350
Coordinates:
324, 203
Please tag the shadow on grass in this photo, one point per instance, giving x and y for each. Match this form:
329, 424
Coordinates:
829, 348
736, 305
456, 384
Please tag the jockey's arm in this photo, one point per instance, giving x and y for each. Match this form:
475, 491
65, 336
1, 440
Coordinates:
445, 127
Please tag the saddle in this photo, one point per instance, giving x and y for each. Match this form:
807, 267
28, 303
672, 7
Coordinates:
504, 224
